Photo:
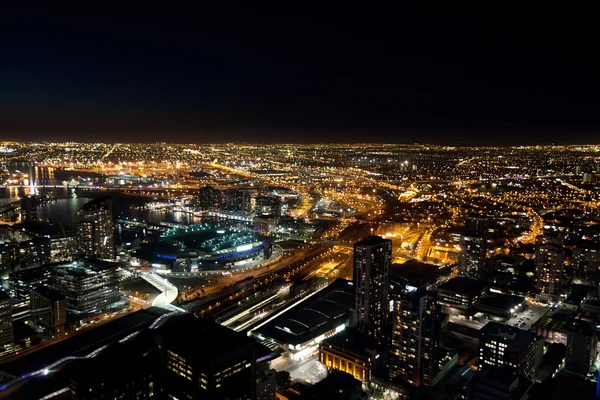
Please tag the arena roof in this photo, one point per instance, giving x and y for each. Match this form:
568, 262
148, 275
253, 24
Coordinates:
325, 311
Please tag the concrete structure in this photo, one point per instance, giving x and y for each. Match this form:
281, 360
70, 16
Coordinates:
498, 384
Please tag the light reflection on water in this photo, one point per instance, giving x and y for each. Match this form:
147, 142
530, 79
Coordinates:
65, 207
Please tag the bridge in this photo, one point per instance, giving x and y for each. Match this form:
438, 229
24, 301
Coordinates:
168, 291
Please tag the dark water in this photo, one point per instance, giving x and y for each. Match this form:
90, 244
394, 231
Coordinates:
68, 203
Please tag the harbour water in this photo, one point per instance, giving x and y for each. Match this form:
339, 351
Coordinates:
67, 203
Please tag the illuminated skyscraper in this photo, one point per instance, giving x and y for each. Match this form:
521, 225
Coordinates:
96, 230
372, 260
415, 334
473, 247
29, 206
549, 266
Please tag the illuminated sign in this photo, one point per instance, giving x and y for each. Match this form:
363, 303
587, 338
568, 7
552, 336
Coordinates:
243, 247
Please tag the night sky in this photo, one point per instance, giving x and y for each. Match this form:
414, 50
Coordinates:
237, 72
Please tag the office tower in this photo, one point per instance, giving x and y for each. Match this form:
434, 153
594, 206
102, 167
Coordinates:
201, 359
90, 287
29, 205
581, 347
372, 260
6, 324
416, 328
96, 230
48, 310
236, 200
510, 348
62, 240
209, 198
586, 258
35, 252
21, 282
549, 267
473, 248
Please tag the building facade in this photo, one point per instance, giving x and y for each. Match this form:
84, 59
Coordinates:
511, 348
372, 261
416, 329
89, 287
95, 230
549, 267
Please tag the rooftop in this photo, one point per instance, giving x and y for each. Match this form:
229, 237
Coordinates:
464, 285
372, 241
82, 343
48, 293
200, 337
517, 338
325, 311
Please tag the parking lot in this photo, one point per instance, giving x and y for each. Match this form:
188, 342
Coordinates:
526, 318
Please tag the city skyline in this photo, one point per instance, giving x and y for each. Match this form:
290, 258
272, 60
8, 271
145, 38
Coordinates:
227, 200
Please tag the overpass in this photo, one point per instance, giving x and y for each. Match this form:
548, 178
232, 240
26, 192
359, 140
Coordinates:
168, 291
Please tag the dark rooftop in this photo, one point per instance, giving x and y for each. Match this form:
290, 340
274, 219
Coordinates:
184, 333
351, 340
82, 343
413, 271
372, 241
500, 301
49, 293
517, 338
464, 285
325, 311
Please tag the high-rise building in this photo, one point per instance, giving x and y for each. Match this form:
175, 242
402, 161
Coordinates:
35, 252
90, 287
549, 267
221, 365
416, 328
473, 248
6, 324
48, 310
96, 230
581, 347
21, 282
208, 198
236, 200
29, 205
372, 261
586, 258
508, 347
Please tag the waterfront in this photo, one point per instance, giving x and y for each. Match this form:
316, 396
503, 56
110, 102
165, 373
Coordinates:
67, 203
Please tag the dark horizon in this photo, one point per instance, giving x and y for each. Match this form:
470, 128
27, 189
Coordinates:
496, 75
